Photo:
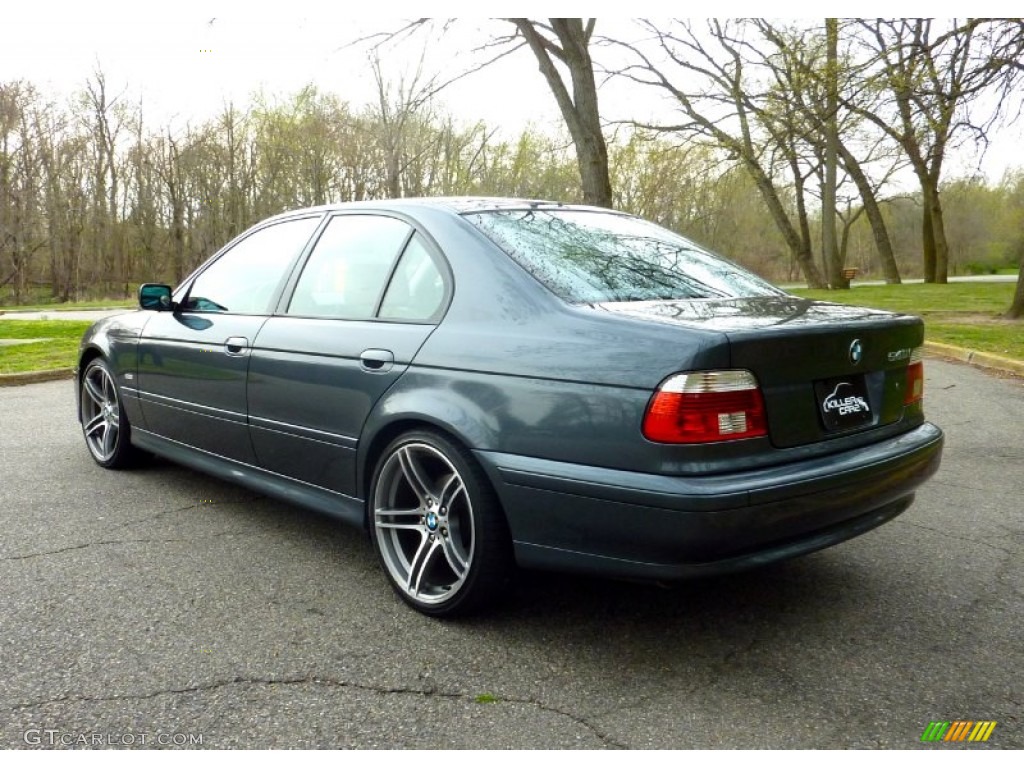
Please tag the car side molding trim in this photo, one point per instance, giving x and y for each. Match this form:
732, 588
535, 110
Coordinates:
189, 407
346, 508
308, 433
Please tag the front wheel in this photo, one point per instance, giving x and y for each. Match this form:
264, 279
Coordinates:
104, 423
437, 526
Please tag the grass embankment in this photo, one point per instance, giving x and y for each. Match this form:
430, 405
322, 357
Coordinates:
58, 350
963, 314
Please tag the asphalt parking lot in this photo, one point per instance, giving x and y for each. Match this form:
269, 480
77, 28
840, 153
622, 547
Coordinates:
158, 607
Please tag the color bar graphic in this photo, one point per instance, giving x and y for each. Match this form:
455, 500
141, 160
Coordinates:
958, 730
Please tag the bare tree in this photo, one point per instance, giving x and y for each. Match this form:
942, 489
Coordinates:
717, 100
170, 172
22, 232
402, 109
568, 41
554, 43
934, 78
796, 67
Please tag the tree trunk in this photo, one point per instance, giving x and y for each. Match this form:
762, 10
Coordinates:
928, 240
580, 111
799, 247
881, 233
1016, 310
939, 238
592, 160
829, 246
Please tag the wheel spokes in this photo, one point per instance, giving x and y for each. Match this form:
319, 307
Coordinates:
95, 393
95, 423
390, 522
451, 490
100, 413
428, 546
414, 475
109, 439
456, 561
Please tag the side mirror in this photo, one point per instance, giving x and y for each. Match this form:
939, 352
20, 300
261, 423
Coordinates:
155, 296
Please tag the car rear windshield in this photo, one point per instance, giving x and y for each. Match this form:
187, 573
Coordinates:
592, 257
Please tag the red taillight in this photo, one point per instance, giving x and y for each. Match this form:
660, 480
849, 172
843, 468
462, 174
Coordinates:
915, 379
705, 407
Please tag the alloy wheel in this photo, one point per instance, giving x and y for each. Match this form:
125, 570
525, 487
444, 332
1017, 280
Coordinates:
101, 413
424, 523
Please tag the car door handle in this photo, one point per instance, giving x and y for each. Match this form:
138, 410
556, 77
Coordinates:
236, 346
377, 360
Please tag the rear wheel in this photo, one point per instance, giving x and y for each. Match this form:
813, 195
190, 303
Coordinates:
104, 424
437, 526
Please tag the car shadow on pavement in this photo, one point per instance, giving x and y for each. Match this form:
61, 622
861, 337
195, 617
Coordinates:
797, 592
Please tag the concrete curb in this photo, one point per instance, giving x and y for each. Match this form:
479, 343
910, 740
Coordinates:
978, 359
34, 377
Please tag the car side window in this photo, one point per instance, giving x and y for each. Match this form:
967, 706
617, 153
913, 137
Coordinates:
416, 291
350, 263
244, 278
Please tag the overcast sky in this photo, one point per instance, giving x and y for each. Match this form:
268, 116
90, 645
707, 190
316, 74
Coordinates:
187, 59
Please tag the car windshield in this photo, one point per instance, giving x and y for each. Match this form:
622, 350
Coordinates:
592, 257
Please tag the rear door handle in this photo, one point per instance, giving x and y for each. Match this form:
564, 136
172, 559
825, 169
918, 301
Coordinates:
377, 360
236, 346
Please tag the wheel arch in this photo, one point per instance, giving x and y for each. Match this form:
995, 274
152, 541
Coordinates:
85, 356
439, 410
370, 455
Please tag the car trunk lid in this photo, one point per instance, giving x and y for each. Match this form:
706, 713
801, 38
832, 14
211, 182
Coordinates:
825, 370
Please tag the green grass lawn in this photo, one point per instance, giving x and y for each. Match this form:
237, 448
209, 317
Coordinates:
1005, 339
923, 298
59, 351
963, 314
58, 306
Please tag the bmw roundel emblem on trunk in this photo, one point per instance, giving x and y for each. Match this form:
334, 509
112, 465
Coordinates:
856, 351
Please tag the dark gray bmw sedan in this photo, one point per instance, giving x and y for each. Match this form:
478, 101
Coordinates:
487, 383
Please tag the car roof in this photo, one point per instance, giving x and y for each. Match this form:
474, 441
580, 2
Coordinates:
459, 205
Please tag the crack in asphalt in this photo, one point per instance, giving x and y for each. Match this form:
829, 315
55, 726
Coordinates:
149, 518
959, 538
125, 541
603, 737
197, 505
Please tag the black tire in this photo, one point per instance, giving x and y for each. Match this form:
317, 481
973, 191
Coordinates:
437, 527
104, 424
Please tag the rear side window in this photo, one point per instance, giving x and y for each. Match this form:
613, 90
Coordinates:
350, 263
591, 257
416, 291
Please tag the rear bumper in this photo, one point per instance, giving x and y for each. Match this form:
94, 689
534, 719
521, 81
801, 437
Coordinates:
594, 520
